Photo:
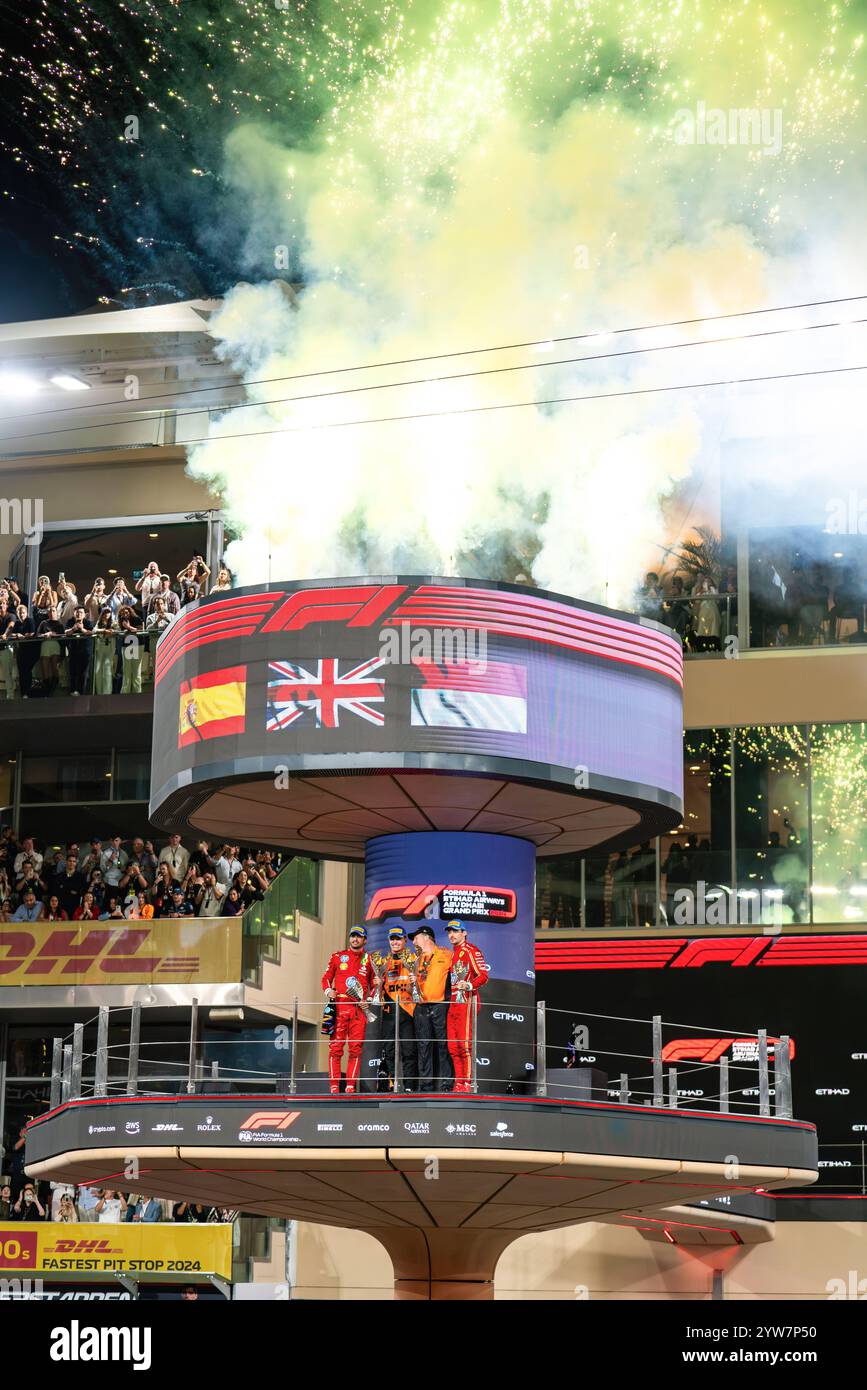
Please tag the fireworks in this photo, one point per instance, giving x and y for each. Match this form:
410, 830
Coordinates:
396, 92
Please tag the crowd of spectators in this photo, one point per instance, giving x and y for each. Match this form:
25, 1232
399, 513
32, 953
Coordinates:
22, 1199
792, 603
100, 640
117, 879
702, 614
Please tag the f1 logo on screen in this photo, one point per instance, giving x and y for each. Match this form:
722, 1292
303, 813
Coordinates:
270, 1119
453, 899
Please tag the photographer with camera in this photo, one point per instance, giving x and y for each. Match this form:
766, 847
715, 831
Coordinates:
150, 584
28, 1207
195, 574
207, 895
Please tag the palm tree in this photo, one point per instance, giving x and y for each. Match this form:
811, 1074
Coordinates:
702, 558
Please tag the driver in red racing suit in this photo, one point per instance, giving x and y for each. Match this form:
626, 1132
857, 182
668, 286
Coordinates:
459, 1027
350, 1024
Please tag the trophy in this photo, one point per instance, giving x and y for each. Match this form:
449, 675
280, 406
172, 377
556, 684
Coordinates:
354, 990
379, 963
460, 972
411, 961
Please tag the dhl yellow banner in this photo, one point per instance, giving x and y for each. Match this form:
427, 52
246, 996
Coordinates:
56, 1247
164, 951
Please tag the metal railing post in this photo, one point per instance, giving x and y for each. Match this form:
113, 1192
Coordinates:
783, 1078
474, 1045
624, 1088
672, 1088
724, 1084
100, 1074
134, 1044
541, 1050
764, 1087
293, 1063
77, 1062
657, 1060
194, 1029
66, 1074
396, 1070
56, 1072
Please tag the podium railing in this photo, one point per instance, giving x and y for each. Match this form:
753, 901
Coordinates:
567, 1055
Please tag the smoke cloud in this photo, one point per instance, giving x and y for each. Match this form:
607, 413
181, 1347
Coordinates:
476, 193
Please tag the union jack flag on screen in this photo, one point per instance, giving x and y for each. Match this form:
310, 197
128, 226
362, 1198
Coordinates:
319, 694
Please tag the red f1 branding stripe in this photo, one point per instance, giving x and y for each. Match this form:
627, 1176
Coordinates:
711, 1049
356, 607
408, 901
733, 949
412, 900
270, 1119
678, 952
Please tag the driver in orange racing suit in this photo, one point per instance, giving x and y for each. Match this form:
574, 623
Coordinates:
350, 1024
459, 1027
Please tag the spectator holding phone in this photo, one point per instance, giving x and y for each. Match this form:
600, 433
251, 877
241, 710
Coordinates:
79, 648
149, 585
94, 602
28, 1207
195, 573
45, 597
88, 910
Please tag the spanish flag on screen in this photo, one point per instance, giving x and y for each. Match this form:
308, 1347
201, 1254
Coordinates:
213, 705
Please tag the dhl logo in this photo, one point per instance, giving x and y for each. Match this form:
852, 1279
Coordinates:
112, 950
711, 1049
83, 1247
271, 1119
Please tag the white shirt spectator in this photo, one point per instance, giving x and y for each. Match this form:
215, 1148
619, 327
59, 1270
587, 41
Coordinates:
87, 1200
32, 854
212, 902
113, 861
223, 871
111, 1211
178, 860
58, 1190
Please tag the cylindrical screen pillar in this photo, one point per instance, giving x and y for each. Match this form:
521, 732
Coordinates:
488, 883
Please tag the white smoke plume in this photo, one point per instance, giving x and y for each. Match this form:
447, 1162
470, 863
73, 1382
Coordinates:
524, 230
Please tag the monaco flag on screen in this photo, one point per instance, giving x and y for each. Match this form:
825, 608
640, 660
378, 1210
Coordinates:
212, 705
456, 694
